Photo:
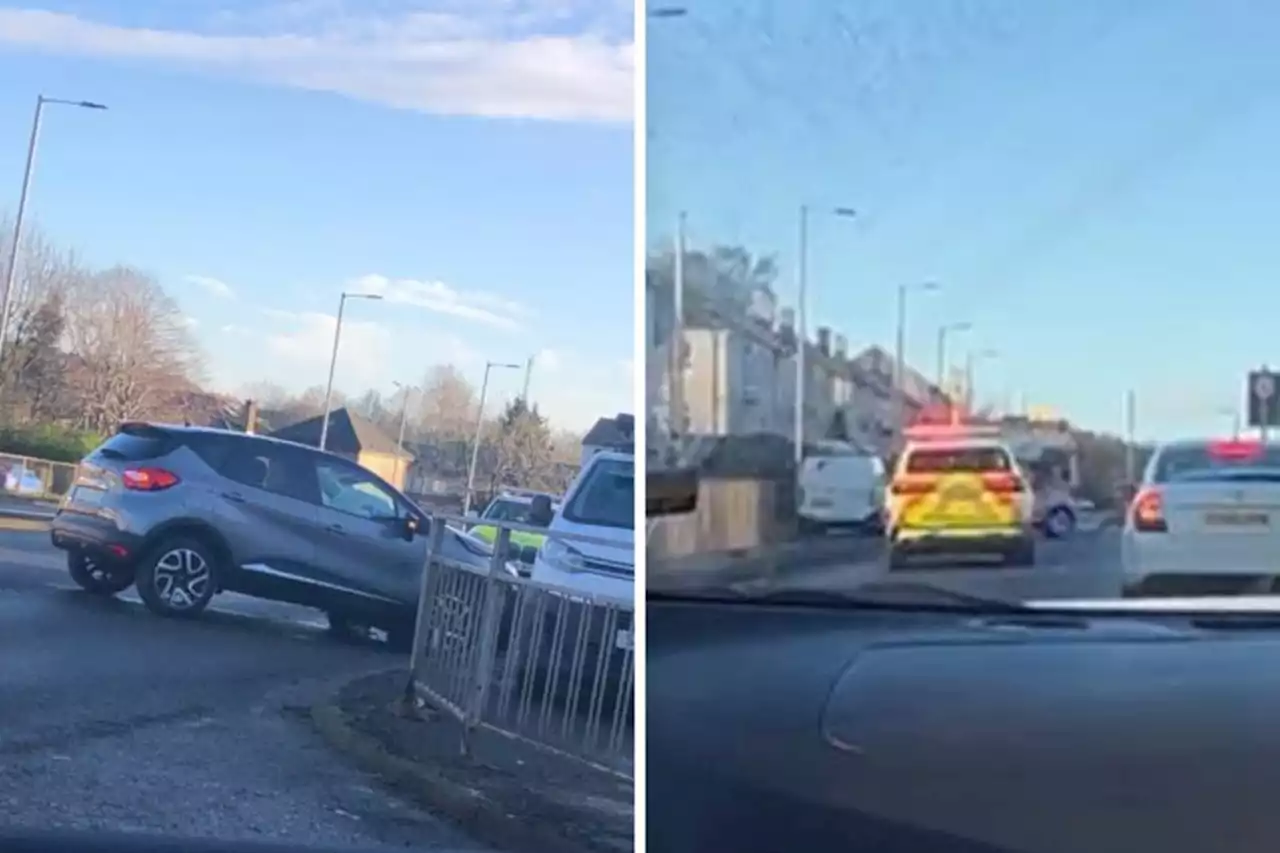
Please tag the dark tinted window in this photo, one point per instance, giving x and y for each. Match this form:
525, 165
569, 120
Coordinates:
273, 467
1201, 462
137, 444
946, 460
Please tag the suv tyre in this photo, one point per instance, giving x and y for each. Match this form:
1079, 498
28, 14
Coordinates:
177, 577
98, 578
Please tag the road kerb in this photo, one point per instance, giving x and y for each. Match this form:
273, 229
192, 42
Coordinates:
466, 807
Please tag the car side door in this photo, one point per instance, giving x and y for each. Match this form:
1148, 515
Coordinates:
362, 543
267, 511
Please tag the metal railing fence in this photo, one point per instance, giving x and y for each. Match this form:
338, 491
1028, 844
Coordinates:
30, 477
549, 665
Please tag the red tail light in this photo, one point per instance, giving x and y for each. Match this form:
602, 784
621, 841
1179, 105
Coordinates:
1236, 449
1148, 512
1003, 482
911, 487
149, 479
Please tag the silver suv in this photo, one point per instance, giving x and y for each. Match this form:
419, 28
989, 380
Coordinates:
185, 513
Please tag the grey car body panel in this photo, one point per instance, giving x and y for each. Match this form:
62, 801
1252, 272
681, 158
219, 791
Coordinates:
278, 546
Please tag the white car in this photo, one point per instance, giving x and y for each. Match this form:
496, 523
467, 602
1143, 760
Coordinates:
601, 504
841, 487
1205, 520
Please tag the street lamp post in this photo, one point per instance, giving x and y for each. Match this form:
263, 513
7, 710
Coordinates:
970, 381
900, 359
802, 318
333, 360
406, 390
943, 331
475, 444
675, 384
11, 270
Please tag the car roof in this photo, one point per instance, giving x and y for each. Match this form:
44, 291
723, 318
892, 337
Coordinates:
184, 429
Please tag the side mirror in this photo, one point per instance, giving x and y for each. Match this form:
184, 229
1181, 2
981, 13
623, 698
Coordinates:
528, 554
670, 492
410, 527
540, 511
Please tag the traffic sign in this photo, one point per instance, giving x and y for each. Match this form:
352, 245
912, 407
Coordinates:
1264, 408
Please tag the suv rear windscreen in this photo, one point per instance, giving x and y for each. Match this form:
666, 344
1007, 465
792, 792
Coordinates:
136, 444
1228, 462
948, 460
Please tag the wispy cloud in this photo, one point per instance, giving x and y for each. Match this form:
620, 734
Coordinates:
440, 298
551, 60
214, 286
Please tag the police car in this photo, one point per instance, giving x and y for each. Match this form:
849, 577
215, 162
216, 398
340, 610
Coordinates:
959, 491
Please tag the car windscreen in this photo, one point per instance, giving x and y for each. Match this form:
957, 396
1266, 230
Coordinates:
1229, 461
508, 510
607, 498
956, 460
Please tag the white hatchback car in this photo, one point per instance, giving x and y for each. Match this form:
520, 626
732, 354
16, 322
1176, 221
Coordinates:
1205, 521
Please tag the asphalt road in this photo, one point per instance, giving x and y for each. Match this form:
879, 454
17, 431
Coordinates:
1087, 565
111, 718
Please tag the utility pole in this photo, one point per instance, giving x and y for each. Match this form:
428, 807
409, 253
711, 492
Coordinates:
802, 331
528, 375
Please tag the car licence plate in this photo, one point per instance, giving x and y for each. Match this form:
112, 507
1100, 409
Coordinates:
85, 496
1237, 519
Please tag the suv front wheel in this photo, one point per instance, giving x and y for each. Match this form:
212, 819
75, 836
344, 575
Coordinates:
176, 578
98, 578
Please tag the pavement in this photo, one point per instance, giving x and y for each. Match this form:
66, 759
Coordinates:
112, 719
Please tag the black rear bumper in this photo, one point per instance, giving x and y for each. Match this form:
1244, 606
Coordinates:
93, 535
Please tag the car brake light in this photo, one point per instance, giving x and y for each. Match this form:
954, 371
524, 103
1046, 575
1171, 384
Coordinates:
911, 487
1235, 449
1148, 512
149, 479
1003, 482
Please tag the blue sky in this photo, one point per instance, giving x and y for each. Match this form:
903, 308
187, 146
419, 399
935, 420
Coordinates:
472, 160
1094, 184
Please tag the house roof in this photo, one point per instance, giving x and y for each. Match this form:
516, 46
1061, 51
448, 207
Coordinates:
876, 364
612, 432
348, 433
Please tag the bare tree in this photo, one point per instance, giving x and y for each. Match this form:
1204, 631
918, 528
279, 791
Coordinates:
524, 448
447, 407
131, 349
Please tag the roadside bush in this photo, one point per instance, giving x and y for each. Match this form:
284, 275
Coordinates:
48, 441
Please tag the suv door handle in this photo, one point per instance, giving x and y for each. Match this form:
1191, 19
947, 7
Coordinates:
337, 528
234, 497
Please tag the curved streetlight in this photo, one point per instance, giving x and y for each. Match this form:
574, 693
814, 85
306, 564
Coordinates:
900, 355
802, 314
11, 271
333, 360
475, 445
945, 331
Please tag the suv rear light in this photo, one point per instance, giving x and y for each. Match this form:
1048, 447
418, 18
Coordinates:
911, 487
149, 479
1148, 512
1003, 482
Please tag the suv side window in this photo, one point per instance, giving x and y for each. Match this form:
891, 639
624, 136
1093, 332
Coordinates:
271, 466
350, 489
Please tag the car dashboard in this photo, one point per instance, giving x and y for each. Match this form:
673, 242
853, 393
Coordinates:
783, 728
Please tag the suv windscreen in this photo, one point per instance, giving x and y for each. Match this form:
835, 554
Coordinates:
608, 497
956, 460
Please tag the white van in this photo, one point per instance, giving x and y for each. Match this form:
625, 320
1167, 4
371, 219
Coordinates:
600, 503
841, 486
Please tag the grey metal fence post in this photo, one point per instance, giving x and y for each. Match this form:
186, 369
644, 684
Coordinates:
426, 594
490, 624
